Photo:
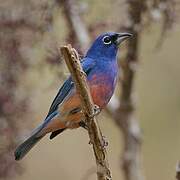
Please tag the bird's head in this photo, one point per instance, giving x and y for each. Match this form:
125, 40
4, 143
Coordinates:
106, 45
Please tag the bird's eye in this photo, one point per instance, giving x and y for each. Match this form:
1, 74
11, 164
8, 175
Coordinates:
106, 40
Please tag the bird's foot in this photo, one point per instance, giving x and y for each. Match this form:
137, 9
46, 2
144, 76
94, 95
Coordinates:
97, 110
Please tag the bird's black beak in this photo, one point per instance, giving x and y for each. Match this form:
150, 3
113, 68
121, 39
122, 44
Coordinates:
121, 37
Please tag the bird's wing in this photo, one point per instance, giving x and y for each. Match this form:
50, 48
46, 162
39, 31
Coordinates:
62, 93
87, 65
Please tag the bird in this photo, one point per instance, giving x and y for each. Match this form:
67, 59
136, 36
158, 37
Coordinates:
101, 67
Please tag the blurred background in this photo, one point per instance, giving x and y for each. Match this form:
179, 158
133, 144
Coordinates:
142, 131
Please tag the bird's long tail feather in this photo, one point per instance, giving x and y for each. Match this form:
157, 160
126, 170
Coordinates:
26, 146
36, 136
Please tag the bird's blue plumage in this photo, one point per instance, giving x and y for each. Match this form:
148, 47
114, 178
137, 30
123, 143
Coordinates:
100, 65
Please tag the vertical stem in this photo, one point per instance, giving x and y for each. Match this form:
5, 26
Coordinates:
125, 116
78, 31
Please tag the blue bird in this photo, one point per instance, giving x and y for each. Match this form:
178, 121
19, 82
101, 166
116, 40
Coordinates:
100, 65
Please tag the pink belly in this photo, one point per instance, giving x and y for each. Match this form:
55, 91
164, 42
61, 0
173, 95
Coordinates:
100, 95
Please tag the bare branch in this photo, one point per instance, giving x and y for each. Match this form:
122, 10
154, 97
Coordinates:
168, 13
95, 135
124, 115
78, 30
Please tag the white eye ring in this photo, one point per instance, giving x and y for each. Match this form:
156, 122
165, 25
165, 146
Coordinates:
106, 40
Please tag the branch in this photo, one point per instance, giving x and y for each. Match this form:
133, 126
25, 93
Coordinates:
95, 135
78, 30
124, 115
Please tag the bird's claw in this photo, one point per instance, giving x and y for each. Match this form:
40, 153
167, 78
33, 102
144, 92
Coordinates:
97, 110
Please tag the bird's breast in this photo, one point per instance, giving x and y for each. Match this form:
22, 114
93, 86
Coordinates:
102, 87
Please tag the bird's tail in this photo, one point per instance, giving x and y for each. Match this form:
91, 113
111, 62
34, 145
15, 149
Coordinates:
26, 146
36, 136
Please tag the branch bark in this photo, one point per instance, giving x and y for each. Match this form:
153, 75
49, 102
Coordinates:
78, 31
95, 134
124, 113
131, 161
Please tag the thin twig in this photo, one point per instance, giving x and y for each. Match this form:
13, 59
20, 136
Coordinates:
95, 135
